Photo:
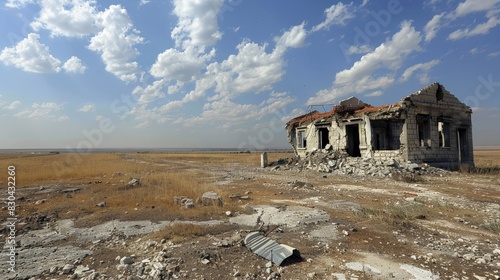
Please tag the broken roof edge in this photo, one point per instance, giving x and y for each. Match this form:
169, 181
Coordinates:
443, 88
346, 105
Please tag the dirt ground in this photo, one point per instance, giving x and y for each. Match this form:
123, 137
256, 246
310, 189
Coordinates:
345, 227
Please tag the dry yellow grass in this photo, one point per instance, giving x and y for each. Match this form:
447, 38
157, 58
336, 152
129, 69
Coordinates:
487, 158
154, 199
71, 168
218, 158
487, 162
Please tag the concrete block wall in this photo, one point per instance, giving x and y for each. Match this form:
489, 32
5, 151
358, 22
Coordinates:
435, 153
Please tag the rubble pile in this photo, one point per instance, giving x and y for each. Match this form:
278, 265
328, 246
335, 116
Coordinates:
340, 163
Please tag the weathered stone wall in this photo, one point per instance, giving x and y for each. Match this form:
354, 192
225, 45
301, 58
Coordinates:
446, 108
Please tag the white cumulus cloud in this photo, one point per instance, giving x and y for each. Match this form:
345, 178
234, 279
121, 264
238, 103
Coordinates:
197, 25
337, 14
361, 77
30, 55
472, 6
359, 49
422, 68
293, 38
178, 65
116, 41
17, 3
87, 108
433, 26
42, 111
67, 17
480, 29
13, 105
74, 65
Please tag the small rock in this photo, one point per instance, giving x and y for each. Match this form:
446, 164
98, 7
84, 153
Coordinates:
205, 261
269, 264
67, 268
101, 204
229, 213
158, 266
126, 260
480, 261
134, 182
82, 270
53, 269
468, 257
211, 198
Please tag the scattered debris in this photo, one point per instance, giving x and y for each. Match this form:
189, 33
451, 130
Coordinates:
184, 201
340, 163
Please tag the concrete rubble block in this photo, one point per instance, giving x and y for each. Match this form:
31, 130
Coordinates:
134, 182
82, 270
53, 269
184, 201
211, 198
67, 268
126, 260
101, 204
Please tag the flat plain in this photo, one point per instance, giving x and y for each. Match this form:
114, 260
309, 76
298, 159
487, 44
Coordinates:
345, 227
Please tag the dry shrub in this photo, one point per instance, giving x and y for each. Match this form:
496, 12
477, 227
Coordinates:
493, 225
398, 215
407, 177
181, 231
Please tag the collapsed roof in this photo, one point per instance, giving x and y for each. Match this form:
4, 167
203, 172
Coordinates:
352, 108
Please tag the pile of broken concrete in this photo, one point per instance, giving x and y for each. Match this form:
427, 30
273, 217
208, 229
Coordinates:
340, 163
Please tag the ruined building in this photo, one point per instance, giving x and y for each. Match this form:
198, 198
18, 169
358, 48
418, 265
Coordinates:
430, 126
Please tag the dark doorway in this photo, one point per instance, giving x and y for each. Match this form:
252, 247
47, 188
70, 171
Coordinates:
323, 136
463, 151
352, 132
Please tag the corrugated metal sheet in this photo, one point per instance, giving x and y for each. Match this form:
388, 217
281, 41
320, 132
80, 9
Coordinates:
269, 249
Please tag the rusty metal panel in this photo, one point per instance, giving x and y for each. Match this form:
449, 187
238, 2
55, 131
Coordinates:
269, 248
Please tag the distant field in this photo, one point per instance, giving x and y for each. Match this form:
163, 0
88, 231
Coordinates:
487, 158
486, 148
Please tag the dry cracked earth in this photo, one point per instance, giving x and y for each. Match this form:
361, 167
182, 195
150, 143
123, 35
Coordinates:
345, 227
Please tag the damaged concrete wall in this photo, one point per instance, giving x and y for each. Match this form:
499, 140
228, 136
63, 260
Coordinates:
430, 126
426, 140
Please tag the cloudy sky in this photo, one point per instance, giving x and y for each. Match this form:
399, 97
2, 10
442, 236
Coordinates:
230, 73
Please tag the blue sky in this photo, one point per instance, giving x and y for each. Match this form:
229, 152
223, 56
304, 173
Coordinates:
223, 74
